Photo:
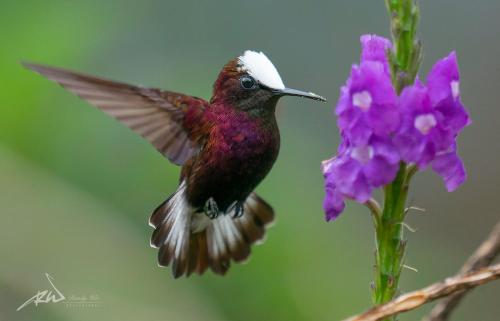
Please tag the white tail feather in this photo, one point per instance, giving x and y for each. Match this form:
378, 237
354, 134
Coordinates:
190, 241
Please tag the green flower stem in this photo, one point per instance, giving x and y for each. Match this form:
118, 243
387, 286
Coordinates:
390, 244
407, 54
405, 61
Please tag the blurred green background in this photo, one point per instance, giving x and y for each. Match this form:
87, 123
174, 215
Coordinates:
77, 188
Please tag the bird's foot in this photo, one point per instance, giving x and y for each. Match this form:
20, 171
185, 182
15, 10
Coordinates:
238, 210
211, 209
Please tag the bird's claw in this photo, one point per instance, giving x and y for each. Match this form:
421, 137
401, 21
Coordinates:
211, 209
238, 210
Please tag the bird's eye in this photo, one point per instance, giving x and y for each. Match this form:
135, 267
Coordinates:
247, 82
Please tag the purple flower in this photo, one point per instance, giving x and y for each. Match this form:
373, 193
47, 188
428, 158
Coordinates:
360, 168
424, 131
432, 117
380, 129
443, 83
367, 103
334, 202
450, 167
375, 48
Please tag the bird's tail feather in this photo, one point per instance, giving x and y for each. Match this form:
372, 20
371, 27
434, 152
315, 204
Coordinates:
191, 242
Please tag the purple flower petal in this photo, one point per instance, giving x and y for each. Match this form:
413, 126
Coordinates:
380, 172
368, 103
444, 80
333, 204
346, 175
386, 149
362, 190
383, 165
384, 121
424, 130
375, 48
326, 166
358, 132
444, 90
360, 168
415, 99
345, 170
343, 103
455, 114
450, 167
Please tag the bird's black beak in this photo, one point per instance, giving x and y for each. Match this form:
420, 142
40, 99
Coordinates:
299, 93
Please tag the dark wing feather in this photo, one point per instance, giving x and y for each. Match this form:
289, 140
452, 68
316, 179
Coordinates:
156, 115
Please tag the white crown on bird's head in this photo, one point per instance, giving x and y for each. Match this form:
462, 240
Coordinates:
257, 65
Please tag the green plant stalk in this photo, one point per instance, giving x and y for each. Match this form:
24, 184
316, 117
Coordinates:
390, 244
406, 55
405, 61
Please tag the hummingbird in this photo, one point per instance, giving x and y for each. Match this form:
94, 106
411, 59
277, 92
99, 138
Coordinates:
226, 146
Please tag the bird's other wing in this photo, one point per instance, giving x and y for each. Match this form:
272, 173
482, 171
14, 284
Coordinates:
168, 120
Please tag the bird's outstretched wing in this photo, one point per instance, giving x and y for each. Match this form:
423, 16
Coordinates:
166, 119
